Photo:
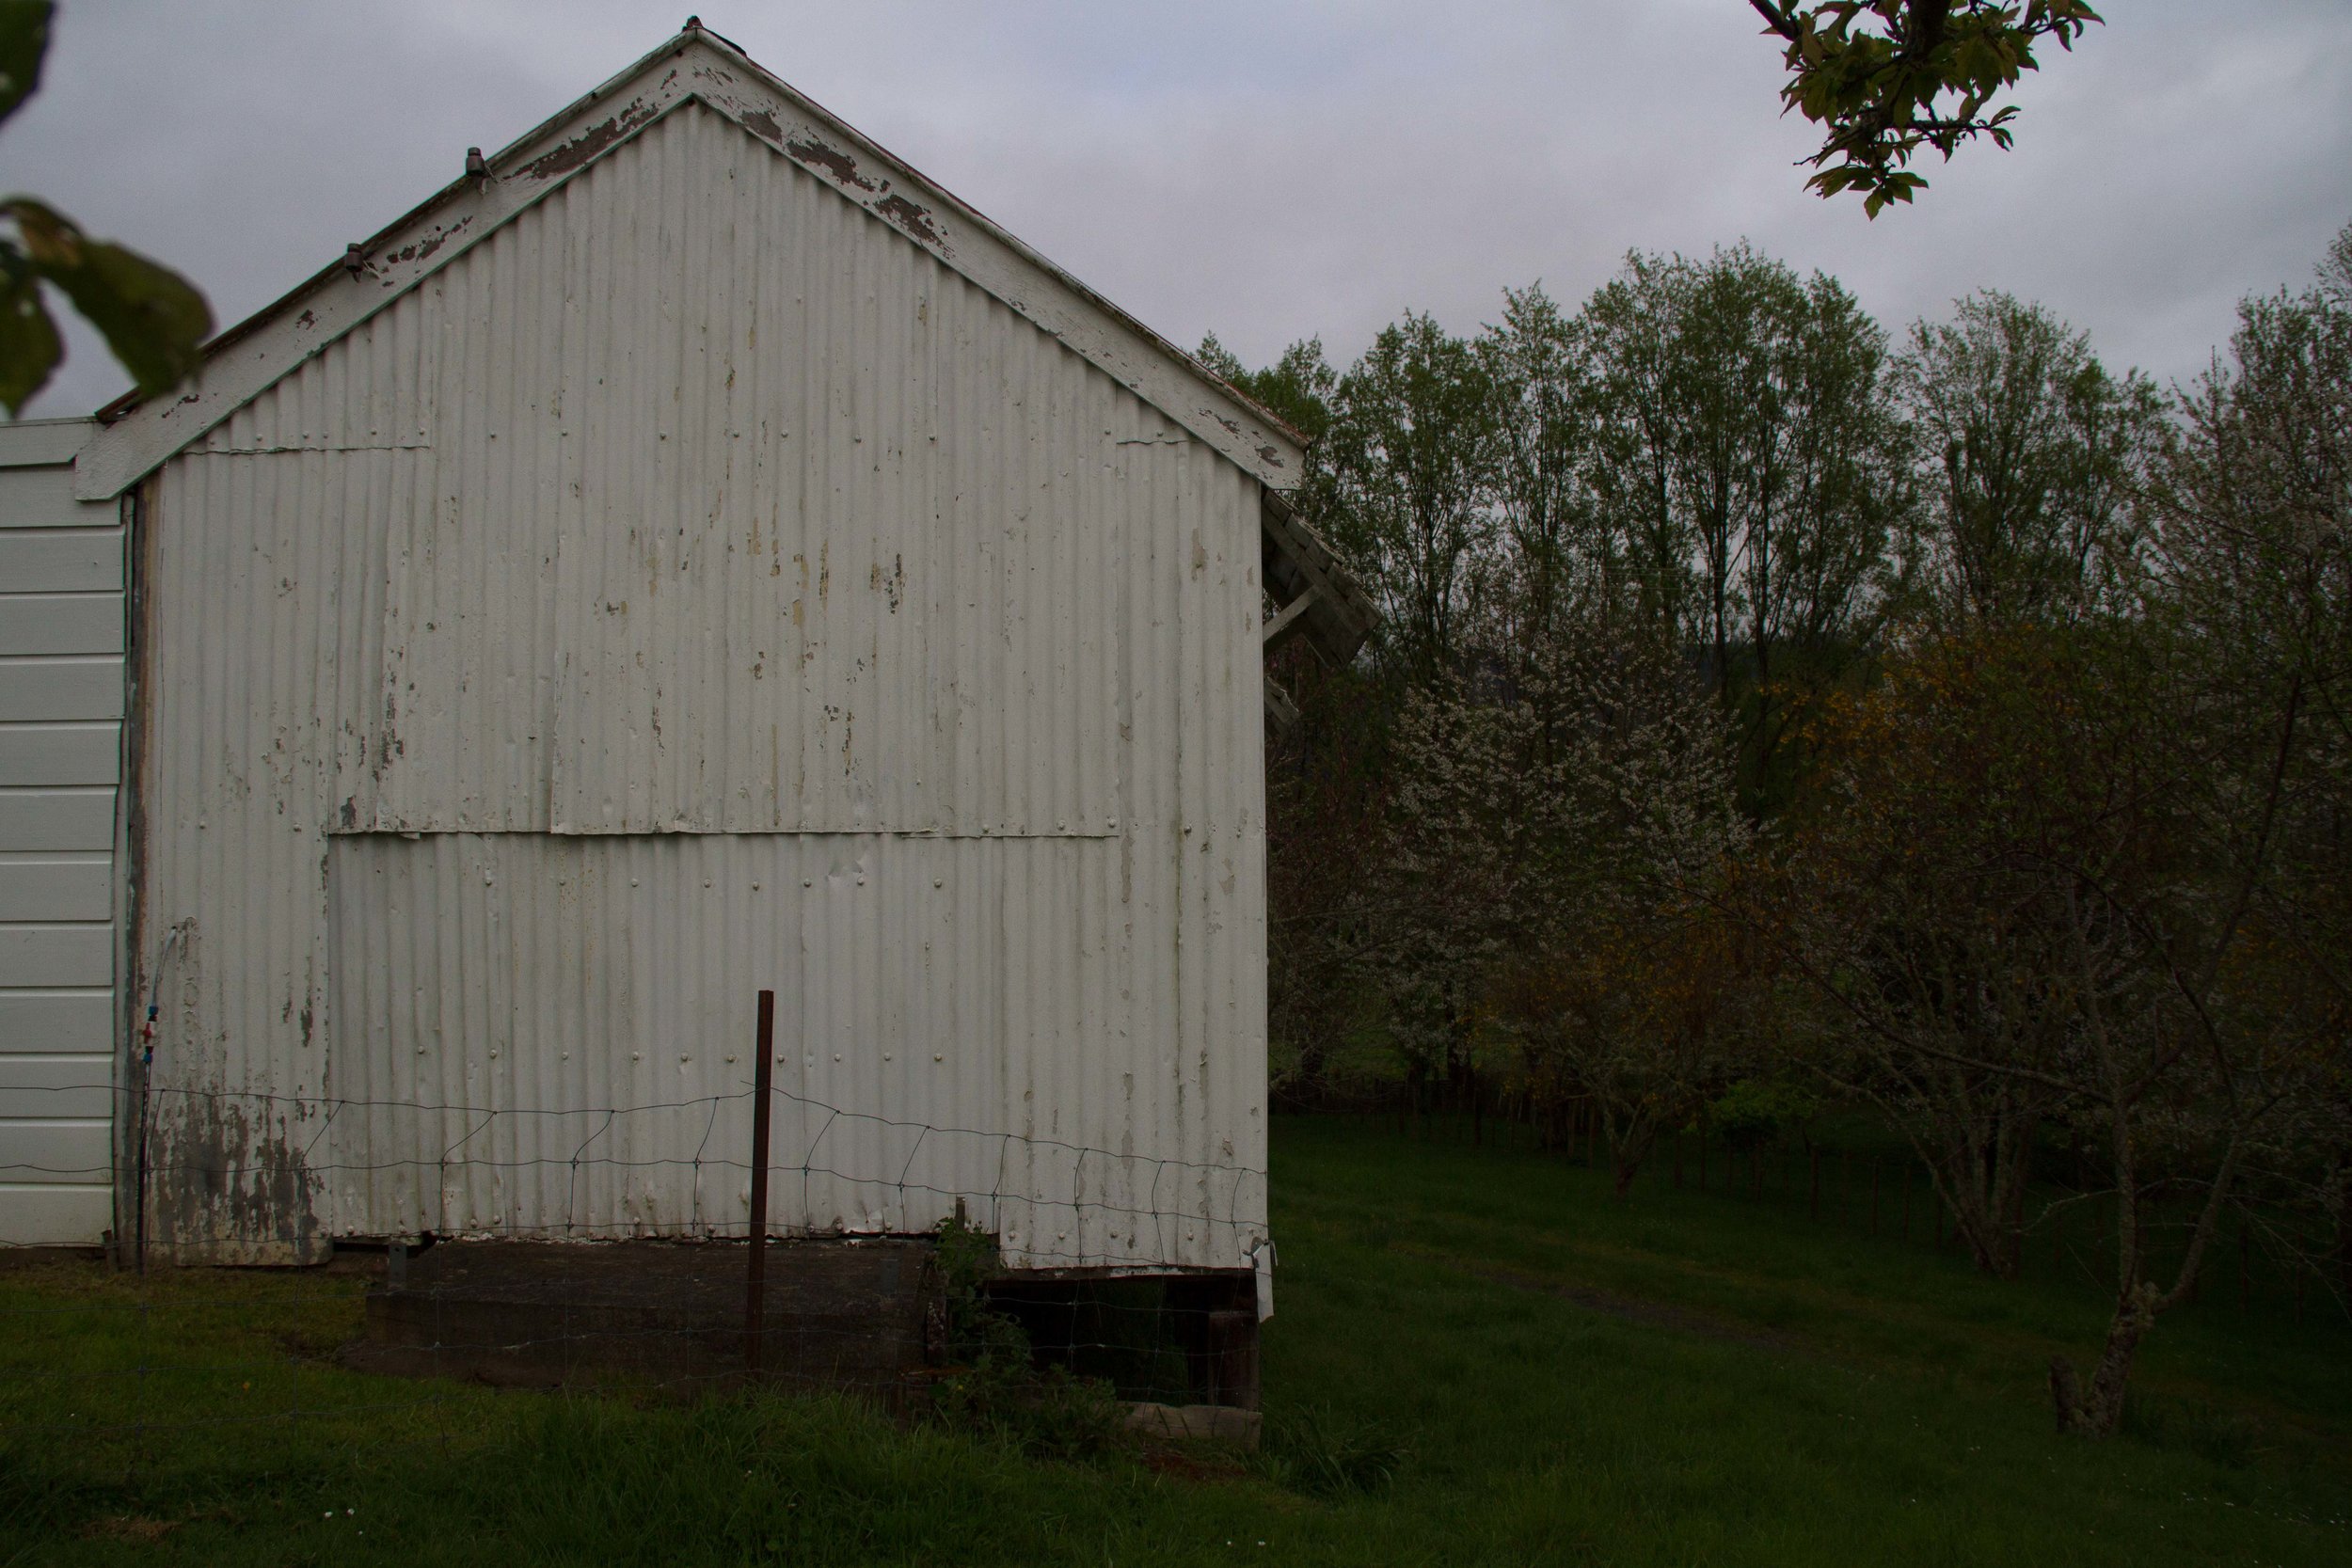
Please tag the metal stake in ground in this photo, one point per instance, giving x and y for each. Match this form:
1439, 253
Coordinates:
763, 1080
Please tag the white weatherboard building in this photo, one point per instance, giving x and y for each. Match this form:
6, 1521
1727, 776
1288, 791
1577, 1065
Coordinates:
61, 695
691, 555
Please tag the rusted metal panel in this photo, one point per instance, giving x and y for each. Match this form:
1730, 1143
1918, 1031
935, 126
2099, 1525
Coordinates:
695, 586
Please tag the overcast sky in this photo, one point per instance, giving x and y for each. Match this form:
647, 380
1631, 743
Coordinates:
1263, 169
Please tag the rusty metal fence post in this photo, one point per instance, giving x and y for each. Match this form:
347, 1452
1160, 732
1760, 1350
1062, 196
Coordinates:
763, 1082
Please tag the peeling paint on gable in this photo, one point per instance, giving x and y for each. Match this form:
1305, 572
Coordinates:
690, 69
831, 159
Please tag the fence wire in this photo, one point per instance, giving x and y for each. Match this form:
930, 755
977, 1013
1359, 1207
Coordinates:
1133, 1268
668, 1167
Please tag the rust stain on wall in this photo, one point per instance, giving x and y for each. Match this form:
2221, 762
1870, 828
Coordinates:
228, 1181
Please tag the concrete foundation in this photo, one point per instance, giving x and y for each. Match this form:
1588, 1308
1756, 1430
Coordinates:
861, 1315
840, 1314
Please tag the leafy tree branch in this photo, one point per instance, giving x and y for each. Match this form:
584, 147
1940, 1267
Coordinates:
153, 319
1886, 78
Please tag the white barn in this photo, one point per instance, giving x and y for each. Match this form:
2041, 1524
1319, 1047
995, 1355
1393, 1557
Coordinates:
690, 554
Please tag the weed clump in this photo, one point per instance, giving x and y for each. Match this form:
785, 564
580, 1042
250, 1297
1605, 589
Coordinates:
2218, 1436
1325, 1455
994, 1387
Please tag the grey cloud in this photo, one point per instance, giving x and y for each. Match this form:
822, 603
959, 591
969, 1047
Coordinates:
1264, 170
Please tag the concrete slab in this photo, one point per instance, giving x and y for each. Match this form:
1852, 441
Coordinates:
1197, 1423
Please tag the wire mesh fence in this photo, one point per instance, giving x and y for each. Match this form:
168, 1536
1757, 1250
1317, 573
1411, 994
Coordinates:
451, 1242
200, 1160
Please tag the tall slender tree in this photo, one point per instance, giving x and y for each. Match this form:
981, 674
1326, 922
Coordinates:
1407, 469
2030, 452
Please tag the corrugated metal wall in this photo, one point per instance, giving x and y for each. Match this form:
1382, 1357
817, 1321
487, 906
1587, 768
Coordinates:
697, 587
61, 642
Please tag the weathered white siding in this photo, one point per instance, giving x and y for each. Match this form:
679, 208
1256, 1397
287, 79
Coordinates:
693, 587
61, 694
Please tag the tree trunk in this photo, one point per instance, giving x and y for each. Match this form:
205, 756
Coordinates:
1628, 1150
1983, 1183
2098, 1410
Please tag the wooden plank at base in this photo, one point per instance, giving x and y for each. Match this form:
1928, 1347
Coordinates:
53, 1215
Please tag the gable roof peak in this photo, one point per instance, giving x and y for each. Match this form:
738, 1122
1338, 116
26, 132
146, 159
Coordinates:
694, 65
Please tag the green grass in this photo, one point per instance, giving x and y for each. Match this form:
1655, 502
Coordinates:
1686, 1379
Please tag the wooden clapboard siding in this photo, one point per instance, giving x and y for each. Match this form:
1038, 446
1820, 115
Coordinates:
61, 699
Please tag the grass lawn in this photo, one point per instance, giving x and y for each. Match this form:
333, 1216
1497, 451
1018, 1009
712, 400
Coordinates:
1687, 1378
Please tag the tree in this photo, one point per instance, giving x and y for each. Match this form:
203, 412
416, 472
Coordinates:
1327, 783
2251, 512
1555, 820
1628, 335
2030, 453
1885, 78
152, 317
1925, 898
1633, 991
2095, 868
1755, 445
1560, 549
1295, 388
1403, 480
